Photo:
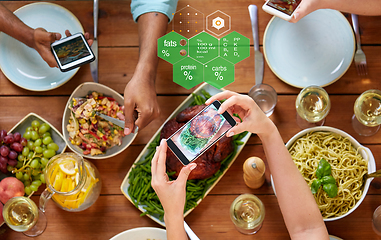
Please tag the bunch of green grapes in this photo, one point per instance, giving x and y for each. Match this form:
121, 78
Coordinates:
39, 148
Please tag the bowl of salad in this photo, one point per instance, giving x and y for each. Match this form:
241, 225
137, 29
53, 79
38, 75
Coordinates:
88, 134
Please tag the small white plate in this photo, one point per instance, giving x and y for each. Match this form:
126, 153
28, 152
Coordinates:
21, 64
317, 50
142, 233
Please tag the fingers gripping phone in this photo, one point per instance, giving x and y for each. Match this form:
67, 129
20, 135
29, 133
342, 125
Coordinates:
72, 52
284, 9
200, 133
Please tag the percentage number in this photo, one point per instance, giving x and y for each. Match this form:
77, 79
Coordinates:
165, 53
188, 75
218, 75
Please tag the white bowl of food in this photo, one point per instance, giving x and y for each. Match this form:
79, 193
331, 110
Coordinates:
87, 134
349, 161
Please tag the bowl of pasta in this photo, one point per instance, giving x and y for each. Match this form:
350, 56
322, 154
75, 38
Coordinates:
349, 161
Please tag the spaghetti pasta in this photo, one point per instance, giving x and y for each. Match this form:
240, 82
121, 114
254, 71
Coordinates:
348, 169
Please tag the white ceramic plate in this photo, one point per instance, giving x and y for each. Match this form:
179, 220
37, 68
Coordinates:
331, 237
317, 50
186, 103
142, 233
80, 92
366, 154
23, 65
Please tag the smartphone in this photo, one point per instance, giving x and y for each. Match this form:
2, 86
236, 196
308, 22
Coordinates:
281, 8
72, 52
200, 133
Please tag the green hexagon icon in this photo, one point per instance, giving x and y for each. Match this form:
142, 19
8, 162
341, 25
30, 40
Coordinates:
188, 73
234, 47
172, 47
219, 72
203, 47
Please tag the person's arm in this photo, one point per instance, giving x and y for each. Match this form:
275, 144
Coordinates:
360, 7
171, 193
38, 38
140, 94
299, 209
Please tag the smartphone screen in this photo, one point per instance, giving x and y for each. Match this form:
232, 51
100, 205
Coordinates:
200, 133
285, 6
71, 52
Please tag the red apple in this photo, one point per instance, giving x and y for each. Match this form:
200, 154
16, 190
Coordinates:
10, 187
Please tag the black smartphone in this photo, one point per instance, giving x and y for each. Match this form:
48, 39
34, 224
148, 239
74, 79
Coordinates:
200, 133
72, 52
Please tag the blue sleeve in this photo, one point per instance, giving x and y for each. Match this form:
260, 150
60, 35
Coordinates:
167, 7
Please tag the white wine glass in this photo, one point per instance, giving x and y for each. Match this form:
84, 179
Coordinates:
367, 113
312, 106
22, 215
247, 213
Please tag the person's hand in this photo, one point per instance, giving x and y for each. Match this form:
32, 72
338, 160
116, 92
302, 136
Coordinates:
140, 97
306, 7
253, 118
43, 40
171, 193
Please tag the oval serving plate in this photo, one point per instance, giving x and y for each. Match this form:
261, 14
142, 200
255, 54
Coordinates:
186, 103
21, 64
317, 50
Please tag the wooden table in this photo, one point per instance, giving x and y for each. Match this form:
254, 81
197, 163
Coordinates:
118, 54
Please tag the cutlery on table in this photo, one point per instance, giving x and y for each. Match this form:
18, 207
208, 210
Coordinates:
94, 47
115, 121
191, 234
360, 59
373, 174
258, 64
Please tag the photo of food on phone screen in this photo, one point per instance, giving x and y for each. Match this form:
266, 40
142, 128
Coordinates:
200, 133
71, 50
285, 6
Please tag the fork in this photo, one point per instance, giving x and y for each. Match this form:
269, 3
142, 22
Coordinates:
360, 59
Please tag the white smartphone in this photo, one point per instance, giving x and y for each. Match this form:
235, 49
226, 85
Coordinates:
284, 9
72, 52
200, 133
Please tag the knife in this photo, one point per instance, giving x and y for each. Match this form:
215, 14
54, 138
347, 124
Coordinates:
258, 64
94, 47
115, 121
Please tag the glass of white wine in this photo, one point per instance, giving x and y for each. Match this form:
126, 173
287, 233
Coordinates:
312, 106
22, 215
247, 213
367, 118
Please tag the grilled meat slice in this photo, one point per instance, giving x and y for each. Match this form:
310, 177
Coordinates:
188, 113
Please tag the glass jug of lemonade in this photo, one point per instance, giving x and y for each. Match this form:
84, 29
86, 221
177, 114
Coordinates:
72, 182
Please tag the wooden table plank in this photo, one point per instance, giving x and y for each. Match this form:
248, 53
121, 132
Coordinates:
117, 65
112, 214
284, 115
116, 27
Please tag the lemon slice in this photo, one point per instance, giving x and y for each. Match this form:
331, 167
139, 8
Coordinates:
68, 167
90, 171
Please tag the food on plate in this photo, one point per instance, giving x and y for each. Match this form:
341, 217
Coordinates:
91, 133
34, 149
10, 187
1, 215
325, 179
11, 145
64, 177
139, 178
254, 172
348, 169
210, 161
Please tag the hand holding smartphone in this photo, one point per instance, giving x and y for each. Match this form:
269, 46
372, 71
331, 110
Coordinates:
284, 9
200, 133
72, 52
